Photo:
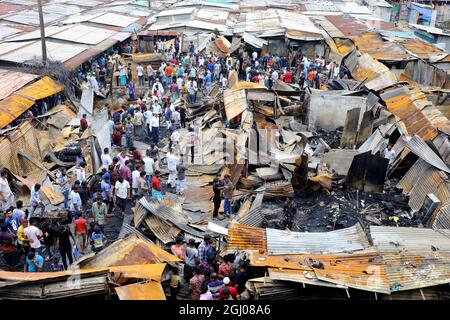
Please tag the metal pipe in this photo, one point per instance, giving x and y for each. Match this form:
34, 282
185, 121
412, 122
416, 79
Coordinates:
42, 28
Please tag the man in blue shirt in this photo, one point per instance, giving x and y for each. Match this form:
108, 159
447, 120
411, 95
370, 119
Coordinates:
34, 262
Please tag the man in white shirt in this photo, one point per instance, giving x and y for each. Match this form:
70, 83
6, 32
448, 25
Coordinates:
389, 154
35, 200
34, 234
75, 202
148, 114
180, 83
255, 55
154, 123
106, 158
191, 139
122, 192
201, 61
172, 161
135, 180
158, 87
148, 168
192, 90
138, 121
140, 73
80, 172
157, 109
6, 196
275, 75
150, 75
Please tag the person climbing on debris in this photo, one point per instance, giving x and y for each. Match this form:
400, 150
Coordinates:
289, 212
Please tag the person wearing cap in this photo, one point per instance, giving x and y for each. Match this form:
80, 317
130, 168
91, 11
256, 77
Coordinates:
232, 291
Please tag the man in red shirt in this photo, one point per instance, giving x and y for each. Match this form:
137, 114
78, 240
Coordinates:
117, 137
232, 290
156, 186
83, 123
81, 231
288, 77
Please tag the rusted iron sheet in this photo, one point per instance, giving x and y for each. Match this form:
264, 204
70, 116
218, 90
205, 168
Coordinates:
241, 237
422, 49
141, 291
373, 74
348, 25
414, 109
13, 81
130, 250
441, 219
143, 271
223, 44
373, 44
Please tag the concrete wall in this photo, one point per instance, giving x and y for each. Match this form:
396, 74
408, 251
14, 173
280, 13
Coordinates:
329, 111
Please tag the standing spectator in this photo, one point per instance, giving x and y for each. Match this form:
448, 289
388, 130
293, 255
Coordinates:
80, 172
154, 122
156, 187
203, 247
6, 195
75, 203
99, 211
35, 200
64, 244
63, 182
215, 285
227, 195
181, 176
22, 240
49, 237
122, 193
233, 293
138, 121
129, 133
191, 259
106, 158
34, 234
172, 162
81, 232
140, 73
125, 171
217, 199
226, 267
175, 283
191, 139
178, 248
195, 284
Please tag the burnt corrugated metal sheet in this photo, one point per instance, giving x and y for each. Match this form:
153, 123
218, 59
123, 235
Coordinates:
166, 212
287, 242
423, 151
442, 218
429, 183
422, 49
442, 144
306, 276
374, 74
414, 240
349, 26
130, 250
410, 178
266, 289
253, 217
163, 231
373, 44
413, 108
241, 237
141, 291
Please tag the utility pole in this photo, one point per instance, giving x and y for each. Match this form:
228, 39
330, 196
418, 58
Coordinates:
149, 4
42, 27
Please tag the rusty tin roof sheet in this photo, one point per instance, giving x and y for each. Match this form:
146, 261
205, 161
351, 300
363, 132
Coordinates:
141, 291
373, 44
418, 114
130, 250
241, 237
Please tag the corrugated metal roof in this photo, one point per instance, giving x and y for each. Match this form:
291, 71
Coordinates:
410, 178
253, 217
31, 17
130, 250
40, 89
141, 291
423, 151
13, 81
442, 218
6, 8
422, 49
114, 19
55, 51
347, 25
344, 240
163, 231
418, 114
241, 237
374, 74
413, 240
170, 213
373, 44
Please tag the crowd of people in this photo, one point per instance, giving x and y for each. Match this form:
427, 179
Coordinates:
206, 275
